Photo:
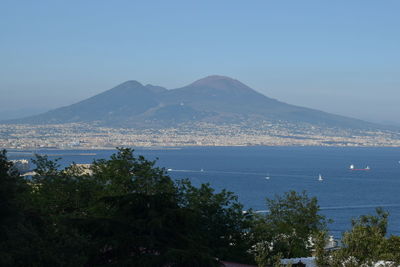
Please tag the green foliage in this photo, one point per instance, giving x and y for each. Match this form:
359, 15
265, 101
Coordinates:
124, 173
123, 211
322, 257
10, 186
392, 252
45, 168
220, 220
366, 243
12, 215
287, 229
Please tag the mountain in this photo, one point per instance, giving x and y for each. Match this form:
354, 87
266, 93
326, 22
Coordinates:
214, 99
117, 104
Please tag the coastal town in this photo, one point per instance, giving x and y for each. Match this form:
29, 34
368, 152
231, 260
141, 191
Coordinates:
90, 136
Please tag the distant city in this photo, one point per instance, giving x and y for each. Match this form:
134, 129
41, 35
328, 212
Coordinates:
89, 136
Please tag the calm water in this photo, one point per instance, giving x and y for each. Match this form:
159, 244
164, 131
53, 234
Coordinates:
342, 195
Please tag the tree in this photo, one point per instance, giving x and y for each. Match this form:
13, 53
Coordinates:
10, 185
220, 220
139, 218
366, 243
10, 215
288, 227
26, 237
125, 212
322, 257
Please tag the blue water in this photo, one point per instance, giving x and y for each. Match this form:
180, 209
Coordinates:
342, 195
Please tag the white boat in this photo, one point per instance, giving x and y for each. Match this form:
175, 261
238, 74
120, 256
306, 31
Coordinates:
169, 170
202, 170
320, 178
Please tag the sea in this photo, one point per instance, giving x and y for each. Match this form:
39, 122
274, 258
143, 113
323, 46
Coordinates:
260, 172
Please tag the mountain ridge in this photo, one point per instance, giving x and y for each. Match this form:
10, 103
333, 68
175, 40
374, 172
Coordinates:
214, 99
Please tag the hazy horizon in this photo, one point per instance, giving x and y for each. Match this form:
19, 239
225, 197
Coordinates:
339, 57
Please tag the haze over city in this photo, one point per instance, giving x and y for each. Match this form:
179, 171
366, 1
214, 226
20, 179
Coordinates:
337, 56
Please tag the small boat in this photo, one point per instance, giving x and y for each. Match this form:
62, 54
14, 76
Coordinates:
320, 178
169, 170
202, 170
352, 168
267, 177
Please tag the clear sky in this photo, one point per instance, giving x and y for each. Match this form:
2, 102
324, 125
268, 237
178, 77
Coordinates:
340, 56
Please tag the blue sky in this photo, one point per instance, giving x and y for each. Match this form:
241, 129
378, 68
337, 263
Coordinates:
338, 56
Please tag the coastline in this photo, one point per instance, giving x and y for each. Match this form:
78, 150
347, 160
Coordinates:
29, 151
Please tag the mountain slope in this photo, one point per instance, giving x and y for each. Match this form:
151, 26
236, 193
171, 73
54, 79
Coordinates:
233, 100
121, 102
215, 99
